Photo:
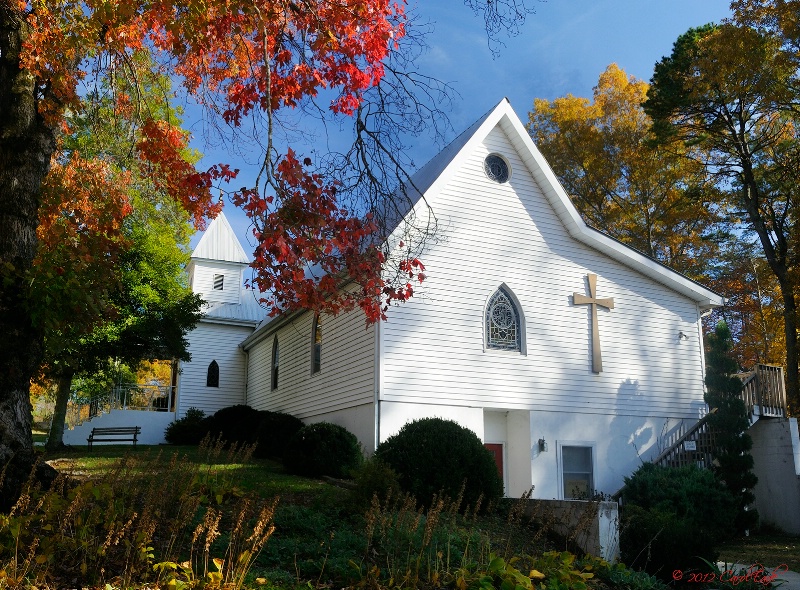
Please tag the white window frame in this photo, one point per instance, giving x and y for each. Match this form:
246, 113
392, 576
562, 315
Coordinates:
560, 462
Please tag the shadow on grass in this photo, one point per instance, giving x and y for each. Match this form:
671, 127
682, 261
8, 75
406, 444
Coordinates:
264, 477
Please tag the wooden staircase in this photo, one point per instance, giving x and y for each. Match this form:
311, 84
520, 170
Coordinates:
764, 395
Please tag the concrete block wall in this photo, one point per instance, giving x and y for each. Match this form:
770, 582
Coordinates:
776, 456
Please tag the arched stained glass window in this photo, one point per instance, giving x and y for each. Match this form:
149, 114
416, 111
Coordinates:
502, 323
275, 362
212, 377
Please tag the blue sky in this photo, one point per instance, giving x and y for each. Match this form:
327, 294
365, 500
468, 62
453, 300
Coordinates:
561, 49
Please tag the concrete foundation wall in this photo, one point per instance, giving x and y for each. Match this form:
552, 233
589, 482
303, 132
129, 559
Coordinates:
153, 425
776, 456
593, 526
359, 420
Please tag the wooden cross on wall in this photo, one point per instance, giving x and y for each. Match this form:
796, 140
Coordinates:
594, 301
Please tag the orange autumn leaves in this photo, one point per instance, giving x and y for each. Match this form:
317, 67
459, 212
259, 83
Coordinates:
225, 47
236, 58
652, 199
84, 204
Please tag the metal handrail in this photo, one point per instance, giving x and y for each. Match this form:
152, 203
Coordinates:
153, 398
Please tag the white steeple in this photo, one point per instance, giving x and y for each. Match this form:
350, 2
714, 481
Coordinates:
217, 264
220, 243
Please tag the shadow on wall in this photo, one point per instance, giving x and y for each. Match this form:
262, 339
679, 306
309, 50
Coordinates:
630, 436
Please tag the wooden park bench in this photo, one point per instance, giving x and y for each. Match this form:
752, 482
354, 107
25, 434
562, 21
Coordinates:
115, 434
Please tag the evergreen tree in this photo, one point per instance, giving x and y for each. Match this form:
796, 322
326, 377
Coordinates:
733, 462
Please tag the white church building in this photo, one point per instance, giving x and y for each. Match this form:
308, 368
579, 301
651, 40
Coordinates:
572, 356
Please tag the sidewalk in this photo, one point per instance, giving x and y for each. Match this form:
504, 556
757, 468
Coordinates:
791, 581
785, 580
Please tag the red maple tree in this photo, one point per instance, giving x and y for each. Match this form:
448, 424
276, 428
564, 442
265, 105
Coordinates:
235, 58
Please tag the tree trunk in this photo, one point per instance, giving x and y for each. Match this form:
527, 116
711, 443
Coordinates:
26, 145
792, 359
56, 438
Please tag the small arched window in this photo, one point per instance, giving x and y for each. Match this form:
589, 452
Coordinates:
274, 365
316, 344
503, 327
212, 377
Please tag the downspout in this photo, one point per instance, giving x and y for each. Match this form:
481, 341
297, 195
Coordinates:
246, 374
377, 377
701, 345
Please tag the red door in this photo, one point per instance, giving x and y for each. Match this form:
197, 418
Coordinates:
496, 450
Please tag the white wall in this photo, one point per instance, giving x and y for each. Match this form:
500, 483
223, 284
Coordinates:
776, 458
394, 416
346, 379
208, 342
512, 430
432, 347
202, 281
153, 425
621, 443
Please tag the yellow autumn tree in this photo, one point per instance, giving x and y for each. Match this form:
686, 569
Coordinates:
648, 198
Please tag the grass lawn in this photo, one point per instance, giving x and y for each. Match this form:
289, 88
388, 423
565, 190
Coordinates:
770, 549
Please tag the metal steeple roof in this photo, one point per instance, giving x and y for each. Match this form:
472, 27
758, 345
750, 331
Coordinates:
220, 243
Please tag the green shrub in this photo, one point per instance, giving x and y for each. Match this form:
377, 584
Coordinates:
673, 518
733, 462
433, 455
619, 577
188, 430
236, 424
274, 431
322, 449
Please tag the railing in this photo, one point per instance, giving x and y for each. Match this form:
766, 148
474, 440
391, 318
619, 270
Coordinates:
764, 392
764, 395
154, 398
695, 447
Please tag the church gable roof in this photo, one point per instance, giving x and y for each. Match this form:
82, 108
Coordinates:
219, 242
435, 175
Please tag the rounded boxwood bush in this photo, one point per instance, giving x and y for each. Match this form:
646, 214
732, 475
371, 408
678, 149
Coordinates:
322, 449
275, 429
433, 455
236, 424
672, 517
188, 430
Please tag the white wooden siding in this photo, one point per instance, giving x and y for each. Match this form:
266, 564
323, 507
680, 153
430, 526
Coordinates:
213, 342
432, 347
346, 378
203, 281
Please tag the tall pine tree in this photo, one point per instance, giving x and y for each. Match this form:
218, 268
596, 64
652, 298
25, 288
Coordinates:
733, 463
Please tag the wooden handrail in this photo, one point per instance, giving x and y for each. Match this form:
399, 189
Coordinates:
675, 448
